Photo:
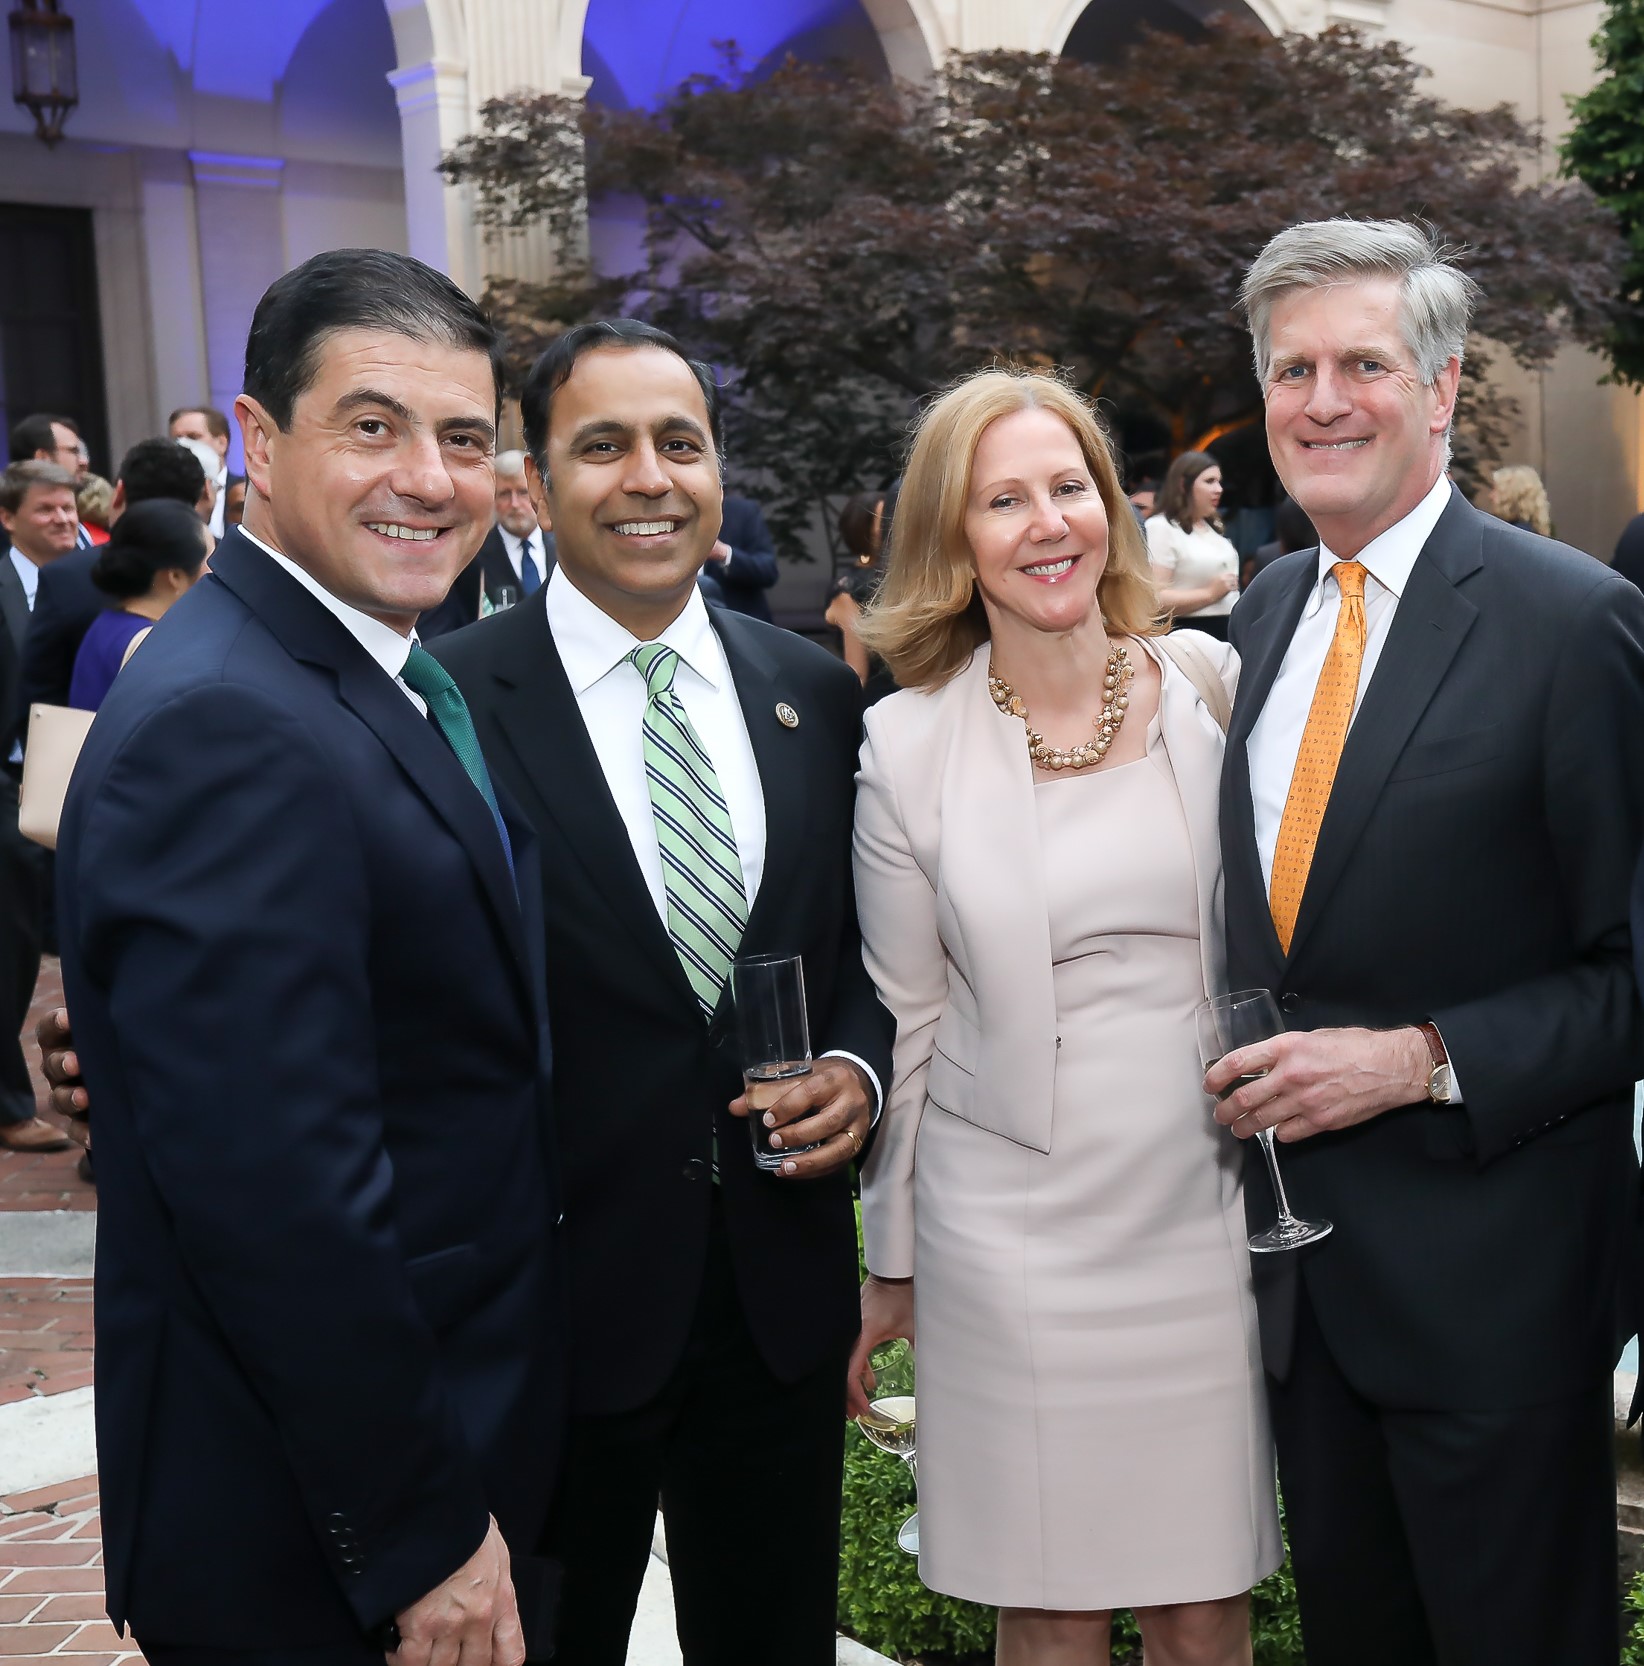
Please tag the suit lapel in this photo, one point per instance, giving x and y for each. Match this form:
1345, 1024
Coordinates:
14, 604
778, 753
311, 633
536, 711
1432, 621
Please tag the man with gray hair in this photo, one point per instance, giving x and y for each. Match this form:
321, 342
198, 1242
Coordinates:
513, 562
1432, 807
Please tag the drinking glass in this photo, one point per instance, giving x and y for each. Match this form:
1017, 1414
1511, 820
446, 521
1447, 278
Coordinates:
889, 1420
769, 993
1227, 1023
506, 595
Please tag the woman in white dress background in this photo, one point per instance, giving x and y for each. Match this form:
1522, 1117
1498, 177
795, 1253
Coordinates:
1195, 567
1049, 1203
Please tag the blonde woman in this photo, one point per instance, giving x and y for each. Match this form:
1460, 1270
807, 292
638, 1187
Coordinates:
1520, 499
1049, 1203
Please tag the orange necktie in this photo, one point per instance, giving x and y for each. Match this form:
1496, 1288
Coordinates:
1321, 744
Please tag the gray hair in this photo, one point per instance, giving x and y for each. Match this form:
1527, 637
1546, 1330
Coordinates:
510, 462
1438, 298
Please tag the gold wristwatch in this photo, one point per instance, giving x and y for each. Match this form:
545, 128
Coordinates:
1438, 1081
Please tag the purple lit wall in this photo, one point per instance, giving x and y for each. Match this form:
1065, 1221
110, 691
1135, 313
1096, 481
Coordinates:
638, 50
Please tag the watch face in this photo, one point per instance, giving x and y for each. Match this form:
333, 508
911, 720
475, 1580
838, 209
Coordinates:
1438, 1085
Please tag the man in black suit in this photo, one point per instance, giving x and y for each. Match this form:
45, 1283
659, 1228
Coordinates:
302, 946
68, 601
206, 425
513, 562
712, 1312
38, 515
741, 566
1433, 803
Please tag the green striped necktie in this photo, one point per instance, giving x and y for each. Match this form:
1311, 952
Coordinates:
701, 871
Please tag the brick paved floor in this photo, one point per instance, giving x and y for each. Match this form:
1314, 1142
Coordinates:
46, 1181
51, 1579
45, 1337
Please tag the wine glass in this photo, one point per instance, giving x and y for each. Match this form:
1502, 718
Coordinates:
1227, 1023
889, 1420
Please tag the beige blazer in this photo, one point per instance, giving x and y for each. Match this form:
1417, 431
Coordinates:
956, 920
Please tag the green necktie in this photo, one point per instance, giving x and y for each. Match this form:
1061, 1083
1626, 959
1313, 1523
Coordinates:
707, 907
448, 711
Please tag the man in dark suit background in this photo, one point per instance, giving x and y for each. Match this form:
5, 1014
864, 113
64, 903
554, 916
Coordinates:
513, 562
302, 946
1432, 807
43, 438
711, 1316
68, 601
741, 567
208, 426
38, 515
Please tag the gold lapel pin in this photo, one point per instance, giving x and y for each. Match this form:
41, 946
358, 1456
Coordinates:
786, 715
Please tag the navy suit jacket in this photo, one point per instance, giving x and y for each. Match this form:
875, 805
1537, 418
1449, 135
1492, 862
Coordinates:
64, 606
752, 570
309, 1007
1473, 868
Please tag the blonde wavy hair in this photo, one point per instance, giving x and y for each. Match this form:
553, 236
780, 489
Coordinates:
1519, 495
927, 619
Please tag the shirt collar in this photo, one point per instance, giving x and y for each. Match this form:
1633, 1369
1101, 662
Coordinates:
28, 574
1390, 557
592, 644
382, 642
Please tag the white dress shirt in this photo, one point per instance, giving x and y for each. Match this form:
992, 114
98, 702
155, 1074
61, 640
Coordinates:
220, 502
382, 642
1276, 737
514, 548
611, 695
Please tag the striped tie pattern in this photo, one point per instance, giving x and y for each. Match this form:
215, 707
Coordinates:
1322, 740
701, 872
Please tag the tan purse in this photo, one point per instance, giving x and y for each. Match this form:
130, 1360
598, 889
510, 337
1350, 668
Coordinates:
56, 734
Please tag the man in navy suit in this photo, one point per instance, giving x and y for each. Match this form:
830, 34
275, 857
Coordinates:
741, 566
302, 945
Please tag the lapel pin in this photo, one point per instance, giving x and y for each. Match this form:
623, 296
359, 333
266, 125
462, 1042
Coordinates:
786, 715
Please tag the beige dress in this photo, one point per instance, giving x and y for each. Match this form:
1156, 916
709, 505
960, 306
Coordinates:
1092, 1428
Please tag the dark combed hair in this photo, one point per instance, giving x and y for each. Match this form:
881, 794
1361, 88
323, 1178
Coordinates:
28, 472
161, 468
354, 289
144, 542
216, 423
34, 434
556, 362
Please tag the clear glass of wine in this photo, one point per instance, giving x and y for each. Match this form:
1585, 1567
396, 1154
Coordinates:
769, 993
1227, 1023
889, 1420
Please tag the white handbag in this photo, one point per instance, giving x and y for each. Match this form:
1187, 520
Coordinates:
56, 734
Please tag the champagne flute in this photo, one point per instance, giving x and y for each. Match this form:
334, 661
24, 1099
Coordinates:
889, 1420
1227, 1023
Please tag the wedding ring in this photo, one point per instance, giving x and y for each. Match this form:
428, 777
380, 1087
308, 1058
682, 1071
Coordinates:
856, 1144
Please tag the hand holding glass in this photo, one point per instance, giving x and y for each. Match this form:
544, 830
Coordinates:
1227, 1023
769, 993
889, 1420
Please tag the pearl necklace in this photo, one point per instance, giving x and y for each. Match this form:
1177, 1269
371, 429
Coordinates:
1115, 702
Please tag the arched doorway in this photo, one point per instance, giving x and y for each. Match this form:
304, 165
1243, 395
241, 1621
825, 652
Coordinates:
1099, 31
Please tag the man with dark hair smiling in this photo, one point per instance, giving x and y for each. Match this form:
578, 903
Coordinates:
713, 1305
302, 946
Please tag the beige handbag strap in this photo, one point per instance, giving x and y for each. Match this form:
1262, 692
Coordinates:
1194, 662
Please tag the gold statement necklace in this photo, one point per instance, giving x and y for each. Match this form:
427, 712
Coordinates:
1115, 703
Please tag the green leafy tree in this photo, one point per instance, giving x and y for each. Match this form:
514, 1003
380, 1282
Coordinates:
1605, 150
843, 246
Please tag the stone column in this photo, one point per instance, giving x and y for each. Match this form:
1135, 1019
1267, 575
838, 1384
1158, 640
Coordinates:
435, 111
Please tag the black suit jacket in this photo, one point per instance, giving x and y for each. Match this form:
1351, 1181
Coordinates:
309, 1007
490, 570
752, 569
64, 607
1472, 868
14, 630
640, 1081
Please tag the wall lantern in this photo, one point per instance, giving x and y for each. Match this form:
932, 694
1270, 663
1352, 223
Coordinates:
43, 79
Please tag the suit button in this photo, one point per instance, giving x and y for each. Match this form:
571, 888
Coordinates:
1290, 1001
696, 1169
